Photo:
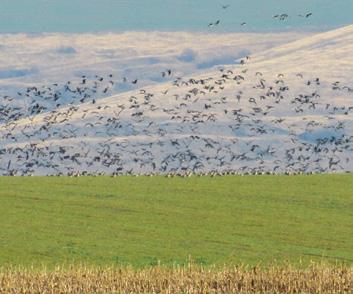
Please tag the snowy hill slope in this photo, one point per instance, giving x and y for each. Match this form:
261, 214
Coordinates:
39, 73
324, 54
285, 110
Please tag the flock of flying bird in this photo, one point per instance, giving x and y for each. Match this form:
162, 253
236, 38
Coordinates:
35, 100
281, 17
233, 121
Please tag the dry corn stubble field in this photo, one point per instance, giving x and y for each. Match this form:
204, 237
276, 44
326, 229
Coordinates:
189, 279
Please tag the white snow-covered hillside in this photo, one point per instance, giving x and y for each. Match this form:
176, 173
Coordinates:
287, 109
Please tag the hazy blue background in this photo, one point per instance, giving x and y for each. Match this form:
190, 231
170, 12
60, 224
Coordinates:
169, 15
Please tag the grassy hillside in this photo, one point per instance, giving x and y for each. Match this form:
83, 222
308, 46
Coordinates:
139, 221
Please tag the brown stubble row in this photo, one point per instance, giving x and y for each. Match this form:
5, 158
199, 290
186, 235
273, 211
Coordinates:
190, 279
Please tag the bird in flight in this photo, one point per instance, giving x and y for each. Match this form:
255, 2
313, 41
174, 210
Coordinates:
225, 6
164, 73
307, 15
282, 16
214, 23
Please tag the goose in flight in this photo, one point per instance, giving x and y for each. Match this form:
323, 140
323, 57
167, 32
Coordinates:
307, 15
212, 24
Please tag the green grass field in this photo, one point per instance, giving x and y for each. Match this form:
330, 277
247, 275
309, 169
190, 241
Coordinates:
144, 220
